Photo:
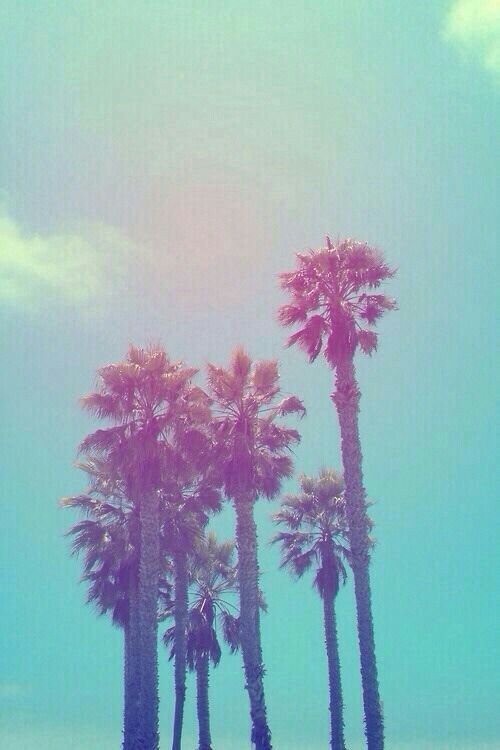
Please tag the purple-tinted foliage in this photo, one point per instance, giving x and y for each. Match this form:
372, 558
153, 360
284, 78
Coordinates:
315, 534
253, 446
158, 417
331, 299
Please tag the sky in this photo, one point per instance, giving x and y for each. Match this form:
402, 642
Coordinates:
161, 162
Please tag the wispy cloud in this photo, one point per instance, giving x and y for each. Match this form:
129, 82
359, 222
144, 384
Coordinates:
70, 267
474, 26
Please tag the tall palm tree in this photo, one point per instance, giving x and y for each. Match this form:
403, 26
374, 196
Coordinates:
254, 458
315, 536
185, 506
213, 582
106, 537
153, 408
333, 303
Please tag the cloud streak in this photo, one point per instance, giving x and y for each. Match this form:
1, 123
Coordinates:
69, 267
474, 27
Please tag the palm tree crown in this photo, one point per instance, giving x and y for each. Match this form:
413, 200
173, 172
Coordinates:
253, 445
332, 301
213, 582
154, 408
316, 533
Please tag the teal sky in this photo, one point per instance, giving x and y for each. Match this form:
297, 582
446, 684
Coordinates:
160, 163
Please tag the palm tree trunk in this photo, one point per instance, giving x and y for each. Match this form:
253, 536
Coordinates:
335, 687
180, 612
149, 573
248, 576
202, 705
131, 663
346, 399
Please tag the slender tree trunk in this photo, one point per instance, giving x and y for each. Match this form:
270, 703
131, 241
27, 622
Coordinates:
180, 612
202, 705
248, 576
335, 687
149, 573
131, 665
346, 399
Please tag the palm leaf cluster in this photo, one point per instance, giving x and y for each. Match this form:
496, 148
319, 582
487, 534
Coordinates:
103, 536
254, 448
316, 532
213, 584
332, 299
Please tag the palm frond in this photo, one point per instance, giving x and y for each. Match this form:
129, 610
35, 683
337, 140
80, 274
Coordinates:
291, 314
265, 377
102, 440
310, 336
329, 299
290, 405
367, 341
315, 529
231, 631
103, 405
240, 365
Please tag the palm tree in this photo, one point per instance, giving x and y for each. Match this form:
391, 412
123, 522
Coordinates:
153, 408
254, 458
105, 536
332, 301
315, 536
213, 579
185, 505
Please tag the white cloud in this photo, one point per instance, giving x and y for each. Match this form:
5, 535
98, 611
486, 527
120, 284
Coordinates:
474, 26
72, 267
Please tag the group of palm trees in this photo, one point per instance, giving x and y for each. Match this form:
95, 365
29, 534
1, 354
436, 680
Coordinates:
171, 452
